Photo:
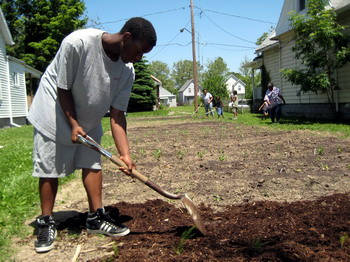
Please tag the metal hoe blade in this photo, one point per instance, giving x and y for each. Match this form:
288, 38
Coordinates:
194, 212
190, 206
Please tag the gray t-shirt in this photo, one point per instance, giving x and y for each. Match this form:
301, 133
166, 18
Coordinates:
96, 83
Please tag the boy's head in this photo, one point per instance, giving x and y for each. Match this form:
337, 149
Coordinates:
234, 92
205, 91
140, 29
139, 38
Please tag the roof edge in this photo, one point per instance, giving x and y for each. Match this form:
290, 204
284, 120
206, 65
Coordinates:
5, 30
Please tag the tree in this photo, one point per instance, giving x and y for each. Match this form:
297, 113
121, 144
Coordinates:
321, 46
218, 67
39, 26
161, 71
214, 78
264, 36
182, 71
265, 79
246, 76
216, 86
143, 95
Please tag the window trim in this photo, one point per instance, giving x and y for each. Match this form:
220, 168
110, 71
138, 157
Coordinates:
15, 78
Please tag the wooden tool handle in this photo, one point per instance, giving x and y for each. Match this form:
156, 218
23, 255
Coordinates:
135, 173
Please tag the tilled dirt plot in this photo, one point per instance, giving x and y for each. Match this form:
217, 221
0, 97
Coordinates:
264, 194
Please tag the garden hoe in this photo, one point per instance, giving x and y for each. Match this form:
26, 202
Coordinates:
191, 208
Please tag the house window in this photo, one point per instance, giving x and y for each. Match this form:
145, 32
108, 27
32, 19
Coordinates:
15, 78
189, 90
301, 5
239, 88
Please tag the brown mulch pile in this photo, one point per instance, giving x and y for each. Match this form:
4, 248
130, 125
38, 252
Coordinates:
261, 231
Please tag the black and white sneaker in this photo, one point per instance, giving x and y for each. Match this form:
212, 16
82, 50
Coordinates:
101, 223
46, 234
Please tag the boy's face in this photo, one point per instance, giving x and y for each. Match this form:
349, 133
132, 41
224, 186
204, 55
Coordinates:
133, 50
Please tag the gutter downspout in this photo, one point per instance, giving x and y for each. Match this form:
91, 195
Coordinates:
10, 98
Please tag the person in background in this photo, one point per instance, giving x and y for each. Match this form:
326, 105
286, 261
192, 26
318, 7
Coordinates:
265, 109
234, 99
275, 100
208, 103
91, 73
219, 107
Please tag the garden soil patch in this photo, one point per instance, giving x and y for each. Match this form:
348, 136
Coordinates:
264, 195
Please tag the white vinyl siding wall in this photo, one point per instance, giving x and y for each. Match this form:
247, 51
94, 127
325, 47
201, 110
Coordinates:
4, 94
288, 61
344, 84
290, 91
343, 74
271, 62
18, 91
283, 57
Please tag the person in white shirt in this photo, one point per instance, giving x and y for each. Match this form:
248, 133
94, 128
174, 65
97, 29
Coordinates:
208, 104
91, 73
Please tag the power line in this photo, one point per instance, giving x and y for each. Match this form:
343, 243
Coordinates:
248, 47
237, 16
232, 50
175, 44
227, 31
169, 43
207, 44
156, 13
164, 46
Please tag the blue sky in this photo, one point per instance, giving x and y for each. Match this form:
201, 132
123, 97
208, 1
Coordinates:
224, 28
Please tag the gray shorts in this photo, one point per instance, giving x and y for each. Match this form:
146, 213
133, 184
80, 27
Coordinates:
55, 160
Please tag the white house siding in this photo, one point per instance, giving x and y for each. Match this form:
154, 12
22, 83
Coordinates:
288, 60
240, 88
18, 91
272, 66
231, 85
4, 93
186, 95
189, 91
283, 24
343, 74
282, 57
344, 84
167, 98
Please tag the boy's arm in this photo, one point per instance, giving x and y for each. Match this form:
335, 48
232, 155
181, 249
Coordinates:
67, 103
118, 127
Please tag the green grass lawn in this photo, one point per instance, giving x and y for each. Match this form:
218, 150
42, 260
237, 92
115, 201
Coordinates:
19, 199
252, 119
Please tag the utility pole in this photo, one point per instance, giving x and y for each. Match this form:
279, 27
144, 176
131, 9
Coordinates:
195, 75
